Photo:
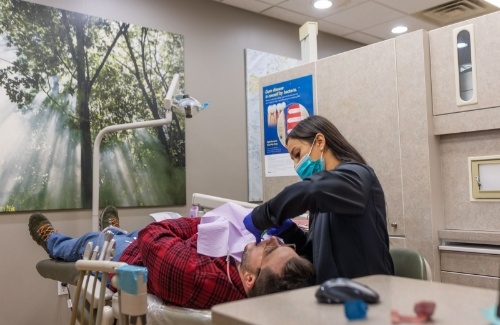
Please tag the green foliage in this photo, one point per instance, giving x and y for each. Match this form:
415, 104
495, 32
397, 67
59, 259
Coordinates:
94, 73
7, 208
23, 27
154, 182
146, 60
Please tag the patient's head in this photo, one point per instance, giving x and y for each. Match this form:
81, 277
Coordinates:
270, 267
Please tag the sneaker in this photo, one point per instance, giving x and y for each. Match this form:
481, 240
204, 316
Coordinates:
109, 217
40, 229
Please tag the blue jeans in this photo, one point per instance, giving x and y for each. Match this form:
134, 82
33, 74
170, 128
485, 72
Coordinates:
71, 249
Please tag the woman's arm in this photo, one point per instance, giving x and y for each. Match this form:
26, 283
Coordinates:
297, 236
344, 190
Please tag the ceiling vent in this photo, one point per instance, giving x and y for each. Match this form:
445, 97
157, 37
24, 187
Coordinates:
455, 11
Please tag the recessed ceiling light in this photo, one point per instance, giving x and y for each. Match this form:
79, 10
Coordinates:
496, 3
399, 29
322, 4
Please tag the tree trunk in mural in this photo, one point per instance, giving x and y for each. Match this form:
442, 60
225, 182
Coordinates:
85, 80
82, 108
143, 82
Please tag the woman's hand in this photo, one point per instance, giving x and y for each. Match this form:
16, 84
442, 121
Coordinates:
248, 222
276, 231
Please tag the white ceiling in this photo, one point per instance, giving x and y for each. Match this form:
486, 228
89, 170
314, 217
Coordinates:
364, 21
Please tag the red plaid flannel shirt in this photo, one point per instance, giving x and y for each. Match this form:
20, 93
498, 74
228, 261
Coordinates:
176, 272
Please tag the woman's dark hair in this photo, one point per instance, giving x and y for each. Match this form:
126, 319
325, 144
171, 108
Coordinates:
308, 128
297, 272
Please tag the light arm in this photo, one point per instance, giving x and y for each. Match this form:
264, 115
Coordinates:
112, 128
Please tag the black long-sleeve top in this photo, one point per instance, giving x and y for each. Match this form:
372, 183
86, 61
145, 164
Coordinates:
347, 226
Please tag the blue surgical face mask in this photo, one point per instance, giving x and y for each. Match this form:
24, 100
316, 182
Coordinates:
306, 166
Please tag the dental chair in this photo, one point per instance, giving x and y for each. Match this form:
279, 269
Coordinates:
157, 311
90, 276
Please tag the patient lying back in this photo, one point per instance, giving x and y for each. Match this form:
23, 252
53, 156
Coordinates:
177, 273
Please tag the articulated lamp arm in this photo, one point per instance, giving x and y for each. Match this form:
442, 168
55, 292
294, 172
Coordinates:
112, 128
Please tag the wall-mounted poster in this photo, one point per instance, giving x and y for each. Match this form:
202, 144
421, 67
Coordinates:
259, 64
285, 105
64, 76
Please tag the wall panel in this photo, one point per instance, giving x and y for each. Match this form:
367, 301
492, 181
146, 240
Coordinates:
421, 173
357, 91
460, 212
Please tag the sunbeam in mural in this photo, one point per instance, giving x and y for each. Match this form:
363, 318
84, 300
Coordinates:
63, 77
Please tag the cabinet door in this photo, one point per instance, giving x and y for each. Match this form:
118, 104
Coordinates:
487, 66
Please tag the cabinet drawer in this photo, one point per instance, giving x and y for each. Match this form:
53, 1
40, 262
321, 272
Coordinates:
470, 280
472, 263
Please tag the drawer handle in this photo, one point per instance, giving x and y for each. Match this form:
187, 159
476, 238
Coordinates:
394, 225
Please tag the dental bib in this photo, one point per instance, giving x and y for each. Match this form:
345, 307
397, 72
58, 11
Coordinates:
221, 232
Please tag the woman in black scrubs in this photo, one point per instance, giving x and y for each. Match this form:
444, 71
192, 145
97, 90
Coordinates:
347, 234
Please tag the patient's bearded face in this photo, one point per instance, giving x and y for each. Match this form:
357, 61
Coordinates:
246, 259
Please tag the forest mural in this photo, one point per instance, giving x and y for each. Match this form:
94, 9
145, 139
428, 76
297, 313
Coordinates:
63, 77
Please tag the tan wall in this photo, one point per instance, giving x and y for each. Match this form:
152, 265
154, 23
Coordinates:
215, 37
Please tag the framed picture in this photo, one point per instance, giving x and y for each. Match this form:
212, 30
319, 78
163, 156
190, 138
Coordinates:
64, 76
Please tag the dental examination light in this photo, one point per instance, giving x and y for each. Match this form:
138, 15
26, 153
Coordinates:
188, 106
174, 101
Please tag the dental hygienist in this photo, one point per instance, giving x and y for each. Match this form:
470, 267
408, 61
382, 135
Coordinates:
347, 234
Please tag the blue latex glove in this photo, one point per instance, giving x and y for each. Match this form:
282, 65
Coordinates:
247, 221
276, 231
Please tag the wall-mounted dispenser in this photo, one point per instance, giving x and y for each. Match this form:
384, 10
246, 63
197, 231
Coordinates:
484, 178
465, 65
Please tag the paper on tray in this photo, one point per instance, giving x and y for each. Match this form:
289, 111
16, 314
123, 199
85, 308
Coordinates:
222, 232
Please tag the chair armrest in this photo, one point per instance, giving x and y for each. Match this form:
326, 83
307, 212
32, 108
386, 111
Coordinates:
57, 270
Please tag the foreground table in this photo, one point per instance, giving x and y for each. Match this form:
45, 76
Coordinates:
454, 304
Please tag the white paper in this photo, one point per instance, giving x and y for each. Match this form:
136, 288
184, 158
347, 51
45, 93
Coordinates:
159, 216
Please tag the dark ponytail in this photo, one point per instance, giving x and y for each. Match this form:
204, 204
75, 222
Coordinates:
308, 128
